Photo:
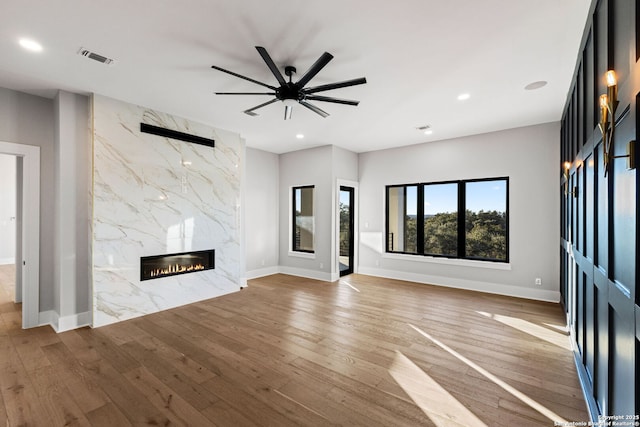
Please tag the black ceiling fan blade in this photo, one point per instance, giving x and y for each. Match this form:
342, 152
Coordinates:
331, 99
250, 111
243, 77
314, 108
245, 93
272, 66
330, 86
315, 69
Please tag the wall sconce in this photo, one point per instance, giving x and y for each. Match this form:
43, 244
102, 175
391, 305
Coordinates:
565, 173
608, 105
565, 170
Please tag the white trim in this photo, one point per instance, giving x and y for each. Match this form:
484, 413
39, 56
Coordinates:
310, 274
7, 261
30, 230
66, 323
50, 318
472, 285
307, 255
74, 321
449, 261
262, 272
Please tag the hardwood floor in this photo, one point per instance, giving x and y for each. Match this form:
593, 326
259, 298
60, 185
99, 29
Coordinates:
288, 351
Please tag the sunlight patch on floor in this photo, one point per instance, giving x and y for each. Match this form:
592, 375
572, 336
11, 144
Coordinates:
545, 334
512, 390
433, 399
342, 282
562, 328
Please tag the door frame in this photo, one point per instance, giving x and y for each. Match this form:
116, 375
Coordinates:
28, 292
354, 185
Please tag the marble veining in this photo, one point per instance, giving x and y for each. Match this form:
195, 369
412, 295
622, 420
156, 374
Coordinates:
154, 195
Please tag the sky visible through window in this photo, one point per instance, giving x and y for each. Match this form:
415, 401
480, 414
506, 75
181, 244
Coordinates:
442, 198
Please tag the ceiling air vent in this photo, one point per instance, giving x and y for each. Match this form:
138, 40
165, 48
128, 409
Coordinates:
96, 57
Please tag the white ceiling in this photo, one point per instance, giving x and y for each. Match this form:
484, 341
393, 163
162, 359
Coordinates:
417, 56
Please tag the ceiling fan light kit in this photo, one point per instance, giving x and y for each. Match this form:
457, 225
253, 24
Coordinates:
291, 93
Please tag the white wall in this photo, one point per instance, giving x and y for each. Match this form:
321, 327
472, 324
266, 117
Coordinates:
7, 209
261, 213
529, 156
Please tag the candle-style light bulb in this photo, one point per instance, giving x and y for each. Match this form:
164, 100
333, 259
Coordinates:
603, 101
612, 80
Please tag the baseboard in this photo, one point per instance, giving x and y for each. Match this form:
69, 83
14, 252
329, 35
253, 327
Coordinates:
7, 261
48, 317
262, 272
309, 274
472, 285
583, 377
66, 323
74, 321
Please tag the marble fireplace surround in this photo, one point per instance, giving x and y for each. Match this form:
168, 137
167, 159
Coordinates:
154, 195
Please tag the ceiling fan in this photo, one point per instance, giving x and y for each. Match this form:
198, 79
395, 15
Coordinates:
290, 92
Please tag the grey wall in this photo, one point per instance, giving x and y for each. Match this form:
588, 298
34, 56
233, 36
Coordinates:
344, 164
528, 156
261, 212
28, 119
269, 178
307, 167
73, 156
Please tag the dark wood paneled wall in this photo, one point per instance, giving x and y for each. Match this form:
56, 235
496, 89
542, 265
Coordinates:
599, 214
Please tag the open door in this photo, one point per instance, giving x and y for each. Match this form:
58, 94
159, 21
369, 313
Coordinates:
346, 244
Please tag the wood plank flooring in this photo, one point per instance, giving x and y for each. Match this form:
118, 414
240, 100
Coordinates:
288, 351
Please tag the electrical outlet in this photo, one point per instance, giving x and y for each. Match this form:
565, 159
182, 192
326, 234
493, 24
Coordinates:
321, 266
538, 281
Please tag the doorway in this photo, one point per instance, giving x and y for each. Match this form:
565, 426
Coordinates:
27, 229
346, 233
8, 198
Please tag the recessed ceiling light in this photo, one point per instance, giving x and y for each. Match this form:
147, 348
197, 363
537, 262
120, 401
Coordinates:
463, 96
299, 136
30, 45
535, 85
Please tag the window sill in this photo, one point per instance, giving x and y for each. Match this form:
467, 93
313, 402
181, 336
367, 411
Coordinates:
449, 261
307, 255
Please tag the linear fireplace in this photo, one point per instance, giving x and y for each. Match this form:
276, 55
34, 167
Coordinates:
156, 266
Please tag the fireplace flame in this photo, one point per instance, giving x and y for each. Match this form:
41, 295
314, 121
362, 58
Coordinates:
174, 269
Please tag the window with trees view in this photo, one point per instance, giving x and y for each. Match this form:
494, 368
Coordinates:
460, 219
303, 220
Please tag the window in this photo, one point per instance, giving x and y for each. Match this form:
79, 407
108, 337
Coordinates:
303, 221
402, 211
441, 219
485, 220
461, 219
